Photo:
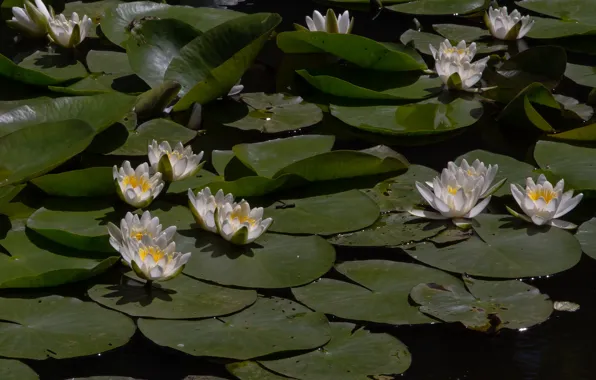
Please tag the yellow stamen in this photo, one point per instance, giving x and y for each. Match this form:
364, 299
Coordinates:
139, 234
452, 190
156, 253
176, 154
455, 50
135, 181
242, 218
546, 194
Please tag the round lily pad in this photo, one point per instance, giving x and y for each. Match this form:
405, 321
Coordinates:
584, 75
90, 182
352, 354
391, 230
179, 298
484, 305
506, 248
272, 261
379, 288
249, 370
573, 163
270, 325
440, 7
42, 69
324, 214
59, 327
586, 235
16, 370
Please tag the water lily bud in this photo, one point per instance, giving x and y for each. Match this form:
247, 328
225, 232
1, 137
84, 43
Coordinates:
31, 19
506, 26
69, 33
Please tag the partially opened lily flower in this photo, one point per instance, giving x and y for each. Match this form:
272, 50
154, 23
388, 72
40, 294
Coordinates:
467, 174
330, 23
204, 204
31, 19
452, 198
454, 65
174, 164
544, 204
507, 26
135, 186
69, 33
133, 227
239, 224
154, 259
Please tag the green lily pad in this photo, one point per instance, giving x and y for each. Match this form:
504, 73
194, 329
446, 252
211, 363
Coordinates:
391, 230
248, 370
547, 28
484, 305
352, 354
368, 84
90, 182
522, 112
211, 64
42, 69
324, 214
270, 325
108, 62
399, 193
379, 56
586, 235
254, 186
179, 298
272, 261
94, 84
81, 225
576, 10
16, 370
7, 193
59, 327
455, 32
381, 290
505, 248
117, 18
440, 7
513, 170
99, 111
202, 179
584, 75
268, 113
425, 118
154, 44
573, 163
269, 157
587, 133
35, 150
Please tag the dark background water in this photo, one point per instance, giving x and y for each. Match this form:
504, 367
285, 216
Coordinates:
561, 348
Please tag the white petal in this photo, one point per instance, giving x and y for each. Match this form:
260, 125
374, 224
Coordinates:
568, 205
562, 224
427, 214
478, 208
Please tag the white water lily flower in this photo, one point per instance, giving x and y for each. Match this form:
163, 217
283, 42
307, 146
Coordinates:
236, 89
154, 259
544, 204
505, 26
239, 224
204, 204
330, 23
450, 60
135, 186
133, 227
31, 19
467, 174
454, 195
69, 33
175, 164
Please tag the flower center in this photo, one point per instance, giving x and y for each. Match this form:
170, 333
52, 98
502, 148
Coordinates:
177, 155
452, 189
455, 50
138, 234
546, 194
156, 253
243, 218
135, 181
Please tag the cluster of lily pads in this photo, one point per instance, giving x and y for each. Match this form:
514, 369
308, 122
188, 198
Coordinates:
97, 167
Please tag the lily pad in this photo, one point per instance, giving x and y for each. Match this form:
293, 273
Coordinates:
391, 230
270, 325
108, 62
368, 84
90, 182
586, 235
202, 179
352, 354
576, 11
80, 225
99, 111
573, 163
399, 193
548, 28
381, 290
455, 32
584, 75
272, 261
116, 19
440, 7
180, 298
522, 112
16, 370
248, 370
505, 248
7, 193
154, 44
484, 305
255, 186
59, 327
587, 133
324, 214
35, 150
418, 119
382, 57
211, 64
42, 69
268, 113
513, 170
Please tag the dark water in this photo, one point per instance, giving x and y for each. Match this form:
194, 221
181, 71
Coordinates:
561, 348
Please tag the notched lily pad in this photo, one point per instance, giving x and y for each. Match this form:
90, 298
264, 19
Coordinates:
16, 370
